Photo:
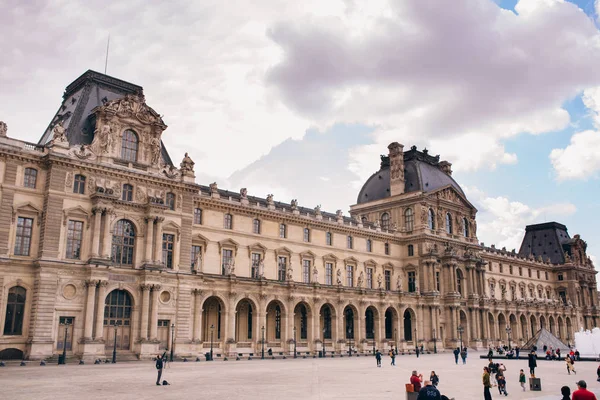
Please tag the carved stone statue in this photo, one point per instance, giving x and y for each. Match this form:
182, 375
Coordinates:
3, 128
155, 149
187, 165
261, 268
244, 193
198, 261
58, 134
339, 276
230, 267
379, 281
105, 139
294, 203
361, 279
567, 257
290, 273
213, 187
270, 199
399, 282
315, 277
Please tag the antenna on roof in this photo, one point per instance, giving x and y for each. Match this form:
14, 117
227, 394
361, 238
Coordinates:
106, 61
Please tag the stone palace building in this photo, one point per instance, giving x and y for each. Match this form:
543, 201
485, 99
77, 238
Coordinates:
106, 240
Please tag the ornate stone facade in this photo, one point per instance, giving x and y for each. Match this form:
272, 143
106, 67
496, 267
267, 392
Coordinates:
106, 239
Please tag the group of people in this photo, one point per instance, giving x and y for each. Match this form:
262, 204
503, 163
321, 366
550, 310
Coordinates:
462, 353
427, 389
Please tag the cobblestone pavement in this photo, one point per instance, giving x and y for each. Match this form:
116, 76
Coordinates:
338, 378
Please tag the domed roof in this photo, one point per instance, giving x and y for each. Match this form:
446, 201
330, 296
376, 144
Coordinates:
422, 172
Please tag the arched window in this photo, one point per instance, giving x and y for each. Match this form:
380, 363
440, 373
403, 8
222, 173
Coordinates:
256, 226
459, 281
129, 146
79, 184
369, 324
123, 243
465, 227
448, 223
327, 323
303, 323
15, 309
408, 219
385, 221
171, 201
30, 178
127, 192
249, 333
198, 216
430, 219
228, 221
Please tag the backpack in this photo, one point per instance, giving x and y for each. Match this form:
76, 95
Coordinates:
165, 383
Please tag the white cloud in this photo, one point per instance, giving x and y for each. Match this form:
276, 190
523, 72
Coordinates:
502, 221
580, 159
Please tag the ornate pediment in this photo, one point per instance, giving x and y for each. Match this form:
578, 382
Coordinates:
134, 107
450, 194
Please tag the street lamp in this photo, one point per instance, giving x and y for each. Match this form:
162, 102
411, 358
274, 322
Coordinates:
434, 342
508, 332
262, 355
114, 358
172, 340
460, 332
349, 342
212, 329
295, 342
416, 343
323, 344
64, 354
396, 339
373, 332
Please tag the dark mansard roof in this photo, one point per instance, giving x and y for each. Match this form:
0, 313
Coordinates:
421, 173
546, 240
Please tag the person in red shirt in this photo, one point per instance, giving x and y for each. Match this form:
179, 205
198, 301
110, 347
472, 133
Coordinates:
582, 393
416, 380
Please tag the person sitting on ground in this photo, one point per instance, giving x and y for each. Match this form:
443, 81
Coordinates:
582, 393
490, 353
416, 380
548, 356
577, 355
434, 379
566, 393
429, 392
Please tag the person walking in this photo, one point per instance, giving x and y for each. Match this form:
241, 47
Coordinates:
378, 358
434, 379
486, 384
566, 393
517, 350
532, 361
463, 355
393, 356
456, 353
582, 393
159, 367
522, 379
570, 365
417, 351
429, 392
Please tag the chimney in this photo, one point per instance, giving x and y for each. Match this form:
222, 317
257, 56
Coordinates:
396, 155
446, 167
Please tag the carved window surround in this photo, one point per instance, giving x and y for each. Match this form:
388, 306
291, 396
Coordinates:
228, 244
28, 210
282, 252
78, 213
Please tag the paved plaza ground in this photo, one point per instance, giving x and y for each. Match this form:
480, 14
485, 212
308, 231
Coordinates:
337, 378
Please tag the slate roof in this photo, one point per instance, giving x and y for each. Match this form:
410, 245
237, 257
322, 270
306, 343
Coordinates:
545, 239
90, 90
421, 173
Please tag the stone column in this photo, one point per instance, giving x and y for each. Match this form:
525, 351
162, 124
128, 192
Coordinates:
95, 251
149, 236
197, 314
433, 279
144, 311
106, 239
99, 332
89, 309
486, 324
154, 312
158, 240
421, 324
453, 327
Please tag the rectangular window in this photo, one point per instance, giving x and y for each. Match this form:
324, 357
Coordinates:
538, 274
412, 282
411, 250
329, 273
328, 239
168, 246
510, 269
171, 201
198, 216
388, 279
529, 272
306, 235
30, 178
74, 238
282, 231
196, 257
79, 184
501, 269
127, 194
349, 276
437, 280
387, 249
560, 277
546, 273
563, 296
369, 245
65, 326
255, 265
227, 261
23, 239
281, 268
349, 242
228, 221
306, 271
520, 271
369, 278
256, 226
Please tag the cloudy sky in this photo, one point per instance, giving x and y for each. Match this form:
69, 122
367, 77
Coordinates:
299, 99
